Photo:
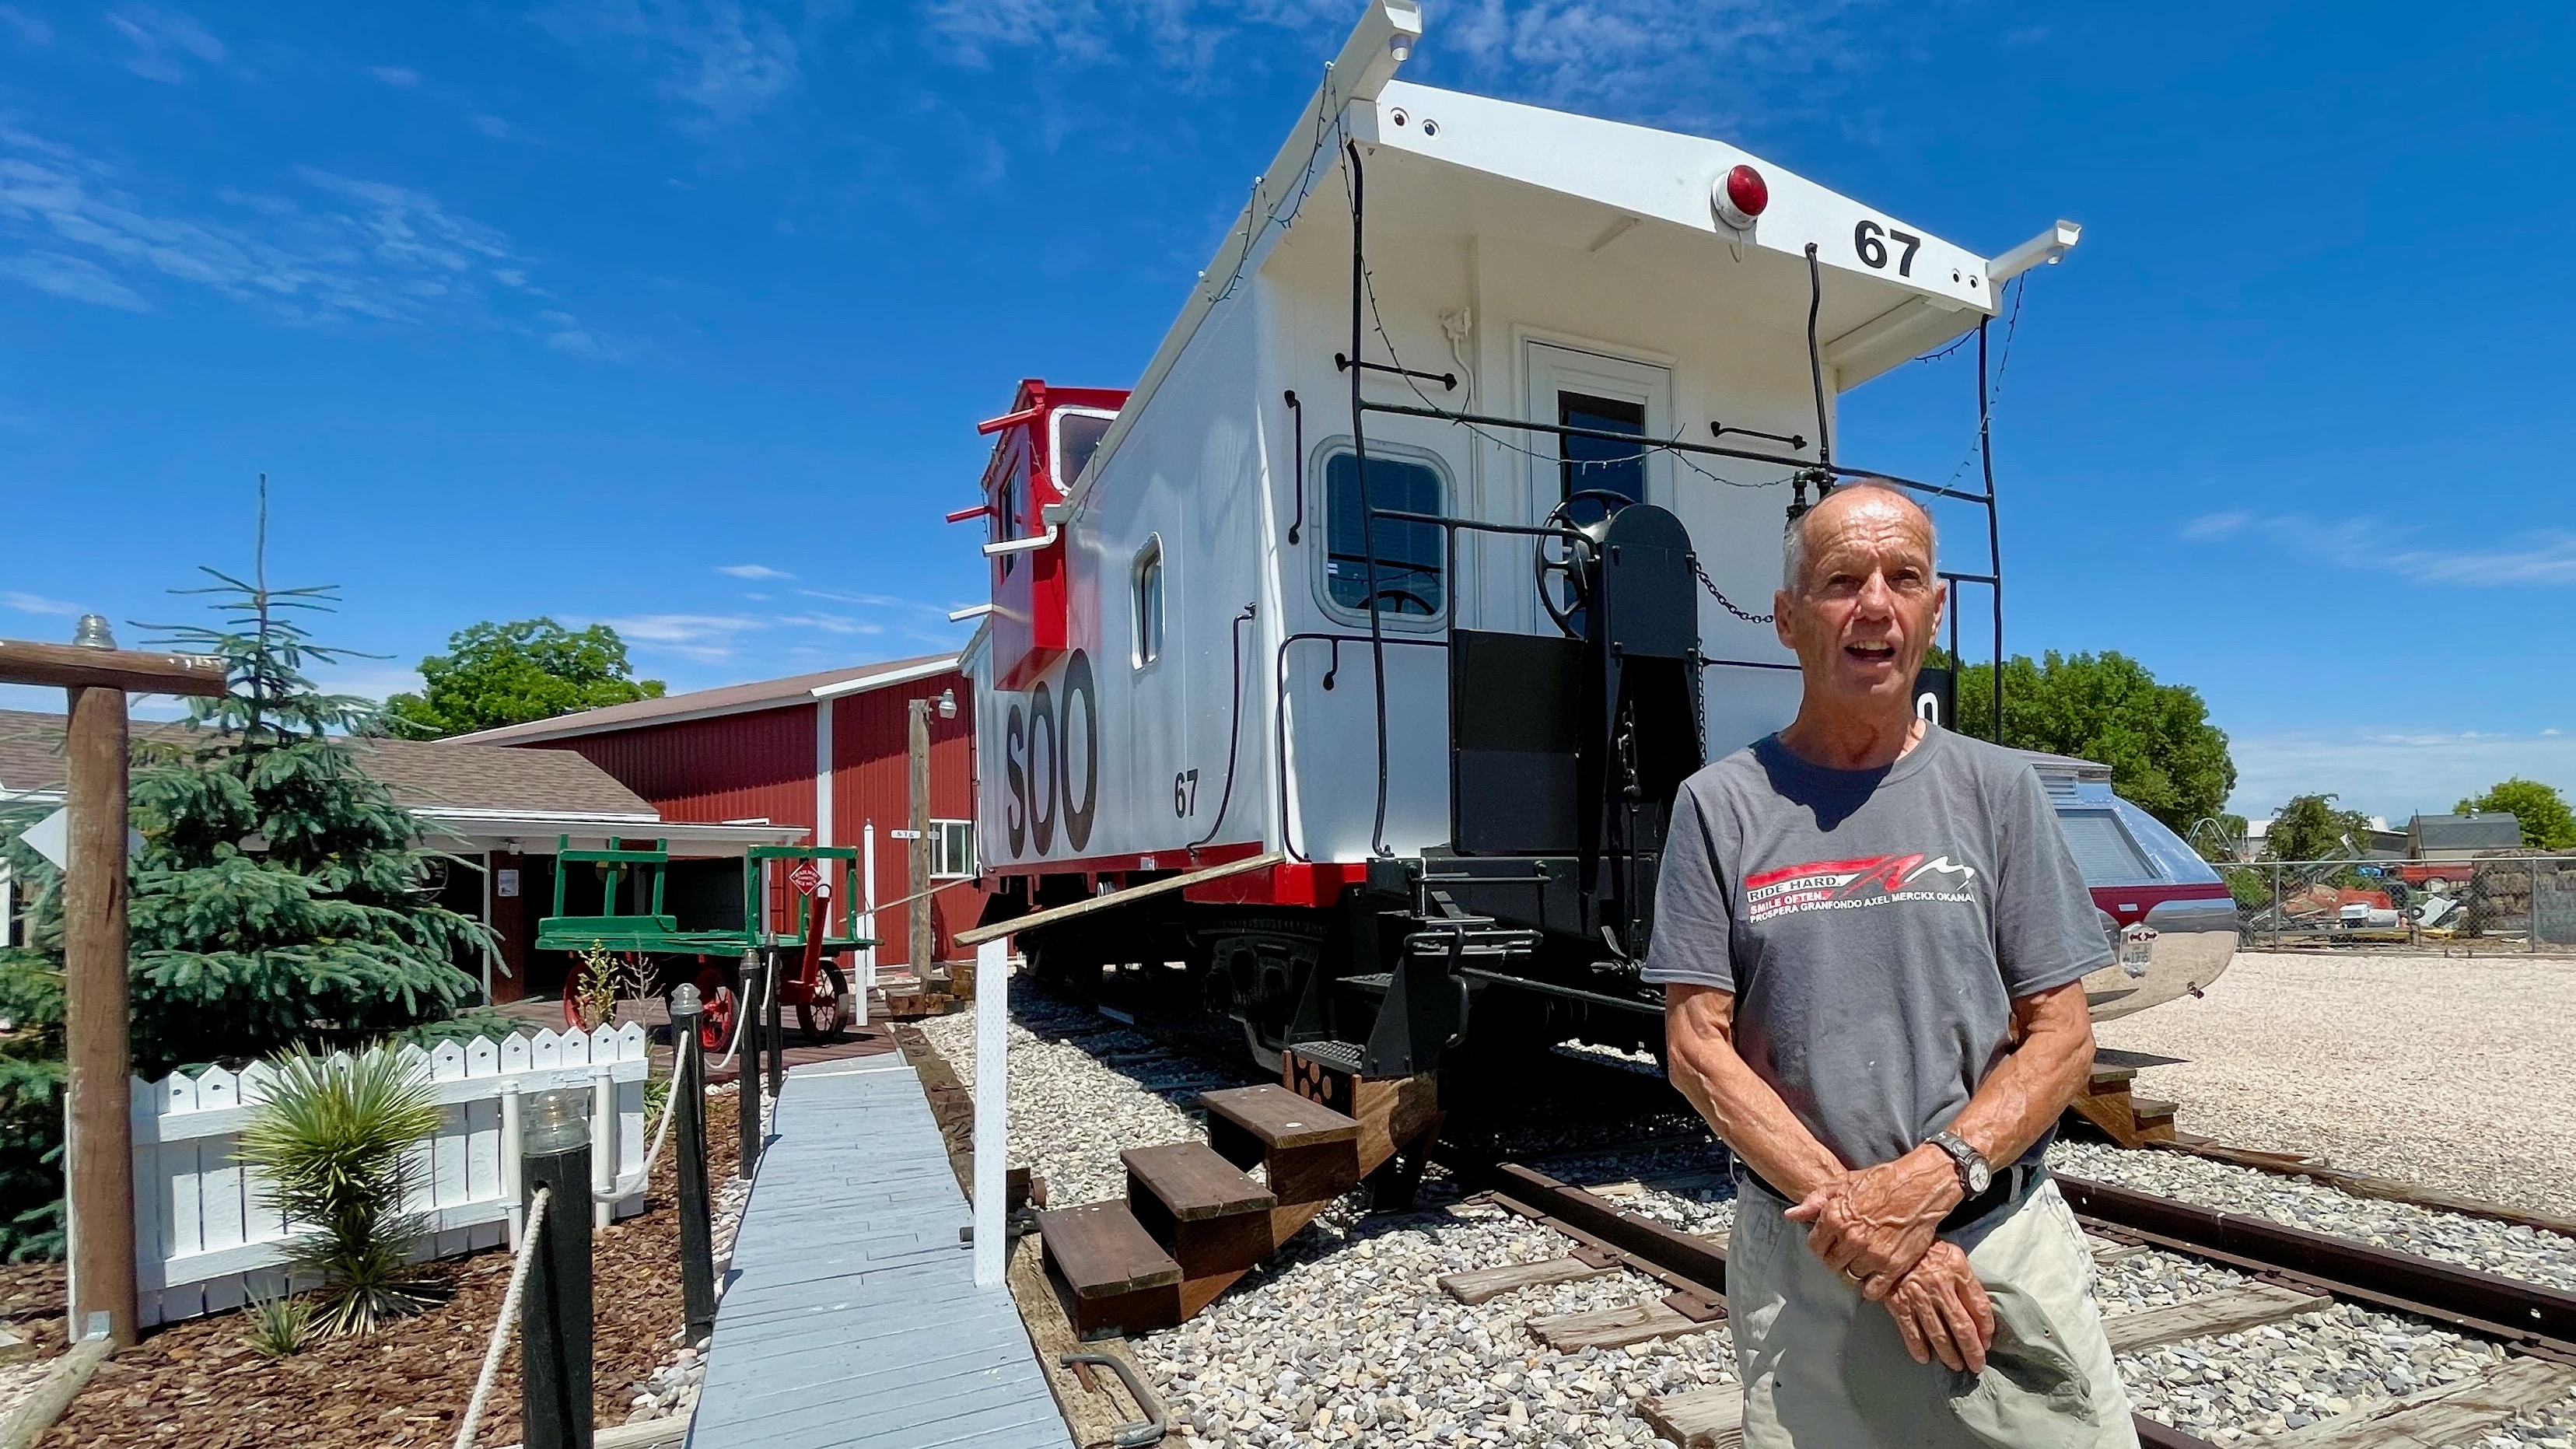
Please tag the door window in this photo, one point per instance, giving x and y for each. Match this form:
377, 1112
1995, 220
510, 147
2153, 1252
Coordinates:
1600, 465
1409, 565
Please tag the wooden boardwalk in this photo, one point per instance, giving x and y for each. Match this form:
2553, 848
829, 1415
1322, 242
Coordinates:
850, 1319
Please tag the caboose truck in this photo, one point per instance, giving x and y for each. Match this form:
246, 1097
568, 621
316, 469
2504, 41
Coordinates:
1432, 551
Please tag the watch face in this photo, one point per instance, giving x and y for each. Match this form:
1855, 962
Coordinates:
1979, 1176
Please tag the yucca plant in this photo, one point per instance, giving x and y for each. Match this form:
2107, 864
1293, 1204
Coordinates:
333, 1138
279, 1325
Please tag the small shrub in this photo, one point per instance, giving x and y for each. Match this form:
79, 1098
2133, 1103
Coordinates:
279, 1325
333, 1138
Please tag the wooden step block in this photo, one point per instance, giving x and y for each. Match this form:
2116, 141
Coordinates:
2454, 1414
1120, 1278
1614, 1327
2231, 1312
1279, 1117
1209, 1217
1711, 1418
1484, 1284
1310, 1151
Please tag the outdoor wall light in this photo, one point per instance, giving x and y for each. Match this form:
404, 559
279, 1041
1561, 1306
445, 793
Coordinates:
948, 704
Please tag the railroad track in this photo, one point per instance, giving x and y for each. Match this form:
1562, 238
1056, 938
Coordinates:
2260, 1274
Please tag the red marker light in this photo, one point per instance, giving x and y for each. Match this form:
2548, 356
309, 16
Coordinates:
1740, 195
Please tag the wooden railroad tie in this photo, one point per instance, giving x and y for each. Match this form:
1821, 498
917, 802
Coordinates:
2233, 1311
2452, 1414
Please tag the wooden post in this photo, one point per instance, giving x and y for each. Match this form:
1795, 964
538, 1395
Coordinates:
689, 1164
555, 1307
917, 877
99, 1142
748, 1011
99, 1135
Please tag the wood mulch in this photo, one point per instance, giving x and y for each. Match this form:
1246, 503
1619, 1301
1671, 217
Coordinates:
200, 1385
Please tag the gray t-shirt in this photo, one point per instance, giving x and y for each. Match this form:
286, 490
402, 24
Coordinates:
1874, 925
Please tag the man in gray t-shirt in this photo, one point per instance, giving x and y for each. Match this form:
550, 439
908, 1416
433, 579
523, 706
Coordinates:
1872, 937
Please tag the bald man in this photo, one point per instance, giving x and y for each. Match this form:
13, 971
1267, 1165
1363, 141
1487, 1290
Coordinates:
1872, 938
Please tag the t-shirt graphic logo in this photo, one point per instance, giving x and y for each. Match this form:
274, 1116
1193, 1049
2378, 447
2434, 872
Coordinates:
1842, 885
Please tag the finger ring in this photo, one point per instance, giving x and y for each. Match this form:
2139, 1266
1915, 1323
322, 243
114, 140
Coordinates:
1855, 1277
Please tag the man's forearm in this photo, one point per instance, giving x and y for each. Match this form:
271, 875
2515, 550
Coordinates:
1744, 1110
2035, 1082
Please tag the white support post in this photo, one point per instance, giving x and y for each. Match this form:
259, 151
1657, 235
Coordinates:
603, 1147
868, 894
823, 774
992, 1106
510, 1161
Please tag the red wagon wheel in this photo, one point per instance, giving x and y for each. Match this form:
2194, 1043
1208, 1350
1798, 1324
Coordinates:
825, 1011
716, 1005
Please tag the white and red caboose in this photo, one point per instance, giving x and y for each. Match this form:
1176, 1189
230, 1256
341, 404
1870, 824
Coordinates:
1430, 552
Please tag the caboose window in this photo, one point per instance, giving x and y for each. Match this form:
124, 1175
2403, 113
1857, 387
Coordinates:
1149, 602
1408, 554
1077, 437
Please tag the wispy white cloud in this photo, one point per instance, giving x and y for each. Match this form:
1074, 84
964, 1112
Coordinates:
2535, 557
164, 42
830, 623
493, 126
26, 603
31, 29
753, 571
2391, 771
76, 278
719, 62
707, 638
1656, 56
334, 248
399, 76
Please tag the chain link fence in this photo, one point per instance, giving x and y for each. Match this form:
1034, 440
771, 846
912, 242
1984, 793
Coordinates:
2503, 900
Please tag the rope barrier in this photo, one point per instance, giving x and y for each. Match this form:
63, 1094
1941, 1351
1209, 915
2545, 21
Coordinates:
501, 1326
628, 1186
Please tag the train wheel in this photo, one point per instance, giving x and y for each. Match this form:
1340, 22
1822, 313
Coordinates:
716, 1005
825, 1011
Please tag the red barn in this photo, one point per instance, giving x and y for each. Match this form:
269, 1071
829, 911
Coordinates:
828, 752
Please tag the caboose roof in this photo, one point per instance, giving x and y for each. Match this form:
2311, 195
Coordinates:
1499, 168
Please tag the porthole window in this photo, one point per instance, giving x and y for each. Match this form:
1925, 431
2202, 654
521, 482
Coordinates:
1148, 575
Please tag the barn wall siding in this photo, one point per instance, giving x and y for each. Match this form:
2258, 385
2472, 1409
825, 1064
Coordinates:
732, 767
871, 741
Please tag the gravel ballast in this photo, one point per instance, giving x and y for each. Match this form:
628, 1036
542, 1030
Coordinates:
2448, 1072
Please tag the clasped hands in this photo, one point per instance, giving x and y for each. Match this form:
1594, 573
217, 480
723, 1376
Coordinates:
1878, 1227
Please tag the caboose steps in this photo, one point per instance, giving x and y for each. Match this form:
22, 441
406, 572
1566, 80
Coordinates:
1120, 1279
1193, 1221
1211, 1218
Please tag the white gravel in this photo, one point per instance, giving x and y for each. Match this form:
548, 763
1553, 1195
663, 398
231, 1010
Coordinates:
2449, 1072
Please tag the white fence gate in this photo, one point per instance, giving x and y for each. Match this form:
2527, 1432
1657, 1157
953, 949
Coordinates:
205, 1239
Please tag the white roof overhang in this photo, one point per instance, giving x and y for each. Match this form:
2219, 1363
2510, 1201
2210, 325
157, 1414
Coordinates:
1461, 163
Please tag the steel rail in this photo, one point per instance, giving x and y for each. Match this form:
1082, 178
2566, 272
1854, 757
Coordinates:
1685, 1262
2524, 1316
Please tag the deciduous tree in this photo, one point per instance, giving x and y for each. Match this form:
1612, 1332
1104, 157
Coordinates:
503, 674
2165, 755
2547, 823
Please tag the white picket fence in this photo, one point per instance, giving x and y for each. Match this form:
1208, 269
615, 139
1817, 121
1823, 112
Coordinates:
205, 1240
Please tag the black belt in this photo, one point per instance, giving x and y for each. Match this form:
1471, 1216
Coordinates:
2010, 1186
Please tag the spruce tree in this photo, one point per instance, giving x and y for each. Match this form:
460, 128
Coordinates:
279, 897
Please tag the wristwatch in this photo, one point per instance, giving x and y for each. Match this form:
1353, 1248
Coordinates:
1974, 1175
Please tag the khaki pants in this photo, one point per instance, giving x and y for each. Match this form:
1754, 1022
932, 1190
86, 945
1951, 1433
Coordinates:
1824, 1368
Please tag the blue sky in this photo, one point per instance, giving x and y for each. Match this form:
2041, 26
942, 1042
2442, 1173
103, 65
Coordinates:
678, 315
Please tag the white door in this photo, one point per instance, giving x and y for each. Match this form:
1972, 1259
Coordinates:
1576, 388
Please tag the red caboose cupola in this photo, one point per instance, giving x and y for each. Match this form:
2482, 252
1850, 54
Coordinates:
1044, 443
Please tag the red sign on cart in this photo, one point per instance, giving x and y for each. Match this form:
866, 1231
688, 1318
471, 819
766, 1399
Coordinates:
805, 877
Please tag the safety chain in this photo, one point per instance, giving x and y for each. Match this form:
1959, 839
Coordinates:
1723, 601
